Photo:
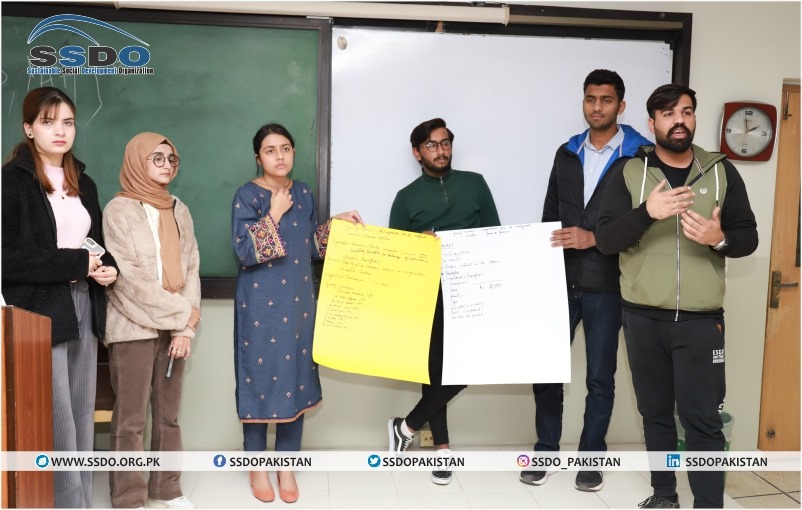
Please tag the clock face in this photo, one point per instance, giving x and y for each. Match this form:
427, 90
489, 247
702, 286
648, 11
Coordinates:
748, 132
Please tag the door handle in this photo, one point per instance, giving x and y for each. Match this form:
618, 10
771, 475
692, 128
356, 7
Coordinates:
776, 285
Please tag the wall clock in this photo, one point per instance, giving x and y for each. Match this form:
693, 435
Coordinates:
747, 130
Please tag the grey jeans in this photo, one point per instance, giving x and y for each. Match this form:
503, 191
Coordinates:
74, 366
137, 376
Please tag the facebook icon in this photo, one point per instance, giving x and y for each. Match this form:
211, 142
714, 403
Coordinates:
673, 460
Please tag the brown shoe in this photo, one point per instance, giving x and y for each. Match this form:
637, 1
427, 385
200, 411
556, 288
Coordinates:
287, 495
263, 495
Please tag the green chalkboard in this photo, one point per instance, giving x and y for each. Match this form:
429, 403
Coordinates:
212, 86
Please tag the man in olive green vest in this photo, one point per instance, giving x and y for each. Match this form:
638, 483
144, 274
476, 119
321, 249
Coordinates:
673, 214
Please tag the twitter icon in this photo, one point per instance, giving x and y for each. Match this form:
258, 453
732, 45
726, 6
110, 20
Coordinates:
374, 460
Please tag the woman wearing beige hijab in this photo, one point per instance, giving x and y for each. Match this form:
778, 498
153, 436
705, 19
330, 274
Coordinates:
153, 312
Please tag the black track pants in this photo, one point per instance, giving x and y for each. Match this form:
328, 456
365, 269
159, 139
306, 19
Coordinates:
680, 362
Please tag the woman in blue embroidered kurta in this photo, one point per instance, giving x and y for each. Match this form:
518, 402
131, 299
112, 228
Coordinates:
275, 236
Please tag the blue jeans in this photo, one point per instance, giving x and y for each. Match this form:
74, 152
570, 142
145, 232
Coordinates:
600, 313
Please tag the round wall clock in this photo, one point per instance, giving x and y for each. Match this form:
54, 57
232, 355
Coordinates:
747, 130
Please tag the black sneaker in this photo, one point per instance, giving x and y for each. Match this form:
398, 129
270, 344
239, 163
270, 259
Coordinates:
533, 477
589, 481
660, 502
399, 441
442, 477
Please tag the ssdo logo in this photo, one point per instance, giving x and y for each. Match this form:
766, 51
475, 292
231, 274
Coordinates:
92, 59
523, 461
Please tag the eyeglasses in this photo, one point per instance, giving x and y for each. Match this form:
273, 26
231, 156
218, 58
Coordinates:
432, 145
159, 159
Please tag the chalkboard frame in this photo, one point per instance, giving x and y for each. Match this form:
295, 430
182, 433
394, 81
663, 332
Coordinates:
222, 287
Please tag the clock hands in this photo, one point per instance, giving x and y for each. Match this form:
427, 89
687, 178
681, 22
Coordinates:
753, 128
746, 130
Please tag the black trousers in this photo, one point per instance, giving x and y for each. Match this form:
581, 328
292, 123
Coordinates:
435, 396
683, 363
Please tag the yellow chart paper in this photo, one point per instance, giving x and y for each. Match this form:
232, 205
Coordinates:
377, 300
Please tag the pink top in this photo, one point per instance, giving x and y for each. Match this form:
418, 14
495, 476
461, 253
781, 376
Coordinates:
72, 219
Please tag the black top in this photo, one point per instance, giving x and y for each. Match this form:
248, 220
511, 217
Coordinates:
36, 273
589, 269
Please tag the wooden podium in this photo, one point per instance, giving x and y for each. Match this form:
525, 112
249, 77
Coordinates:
27, 404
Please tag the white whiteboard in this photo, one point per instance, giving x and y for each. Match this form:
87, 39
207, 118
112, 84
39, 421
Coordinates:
511, 101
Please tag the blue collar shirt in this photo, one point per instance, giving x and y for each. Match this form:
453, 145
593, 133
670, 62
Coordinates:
595, 162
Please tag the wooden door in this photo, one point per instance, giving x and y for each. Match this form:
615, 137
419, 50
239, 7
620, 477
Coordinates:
779, 402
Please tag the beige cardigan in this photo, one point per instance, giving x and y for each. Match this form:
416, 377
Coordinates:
138, 305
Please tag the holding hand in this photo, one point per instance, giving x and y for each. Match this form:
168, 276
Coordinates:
662, 204
280, 203
701, 230
104, 275
180, 347
94, 263
573, 237
352, 216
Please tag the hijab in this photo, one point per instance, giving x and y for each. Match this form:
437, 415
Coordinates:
137, 185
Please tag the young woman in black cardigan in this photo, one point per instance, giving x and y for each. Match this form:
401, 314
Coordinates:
49, 207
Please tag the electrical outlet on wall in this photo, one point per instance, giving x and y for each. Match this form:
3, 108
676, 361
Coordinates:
426, 438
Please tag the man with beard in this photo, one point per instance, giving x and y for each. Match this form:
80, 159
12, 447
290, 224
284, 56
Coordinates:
440, 199
673, 215
582, 168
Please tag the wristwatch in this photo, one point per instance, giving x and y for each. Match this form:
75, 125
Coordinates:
721, 244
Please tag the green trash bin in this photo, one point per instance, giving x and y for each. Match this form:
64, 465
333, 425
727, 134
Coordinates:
726, 427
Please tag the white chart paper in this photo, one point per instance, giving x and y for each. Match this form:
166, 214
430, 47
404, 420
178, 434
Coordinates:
505, 306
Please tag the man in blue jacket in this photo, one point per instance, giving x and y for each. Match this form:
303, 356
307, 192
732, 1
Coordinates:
581, 171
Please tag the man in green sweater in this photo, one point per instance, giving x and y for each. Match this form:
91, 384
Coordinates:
440, 199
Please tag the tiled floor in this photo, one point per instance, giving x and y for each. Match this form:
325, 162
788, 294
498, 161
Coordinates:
764, 489
208, 489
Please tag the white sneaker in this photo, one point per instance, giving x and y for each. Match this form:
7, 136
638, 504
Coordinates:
179, 502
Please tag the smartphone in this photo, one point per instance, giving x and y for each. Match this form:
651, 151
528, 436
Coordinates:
94, 248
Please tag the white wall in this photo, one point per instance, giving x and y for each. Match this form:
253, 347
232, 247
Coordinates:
729, 39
